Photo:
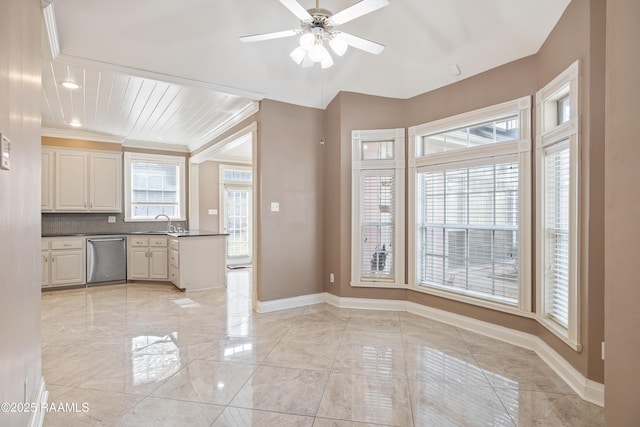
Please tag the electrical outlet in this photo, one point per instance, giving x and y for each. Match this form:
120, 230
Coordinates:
212, 211
332, 278
111, 219
275, 207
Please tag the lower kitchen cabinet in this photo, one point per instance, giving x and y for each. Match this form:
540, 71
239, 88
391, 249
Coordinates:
147, 258
62, 262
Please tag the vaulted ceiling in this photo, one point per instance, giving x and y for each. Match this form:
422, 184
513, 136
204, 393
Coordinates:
162, 71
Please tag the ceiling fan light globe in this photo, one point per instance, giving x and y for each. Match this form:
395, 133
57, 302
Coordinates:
327, 60
315, 53
298, 55
307, 41
338, 46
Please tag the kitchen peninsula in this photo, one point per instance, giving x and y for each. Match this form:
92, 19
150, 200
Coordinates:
197, 260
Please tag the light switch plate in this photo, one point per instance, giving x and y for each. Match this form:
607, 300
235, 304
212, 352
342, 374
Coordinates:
275, 207
5, 152
111, 219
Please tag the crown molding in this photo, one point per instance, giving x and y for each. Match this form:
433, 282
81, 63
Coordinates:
80, 134
52, 30
147, 145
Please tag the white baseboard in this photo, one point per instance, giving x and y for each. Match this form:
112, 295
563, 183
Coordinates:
588, 390
37, 416
288, 303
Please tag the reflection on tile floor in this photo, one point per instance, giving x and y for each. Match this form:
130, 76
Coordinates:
146, 354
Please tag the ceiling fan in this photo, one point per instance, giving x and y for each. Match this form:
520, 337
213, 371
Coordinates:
318, 26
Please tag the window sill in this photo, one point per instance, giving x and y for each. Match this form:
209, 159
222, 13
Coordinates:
510, 309
153, 220
559, 332
379, 284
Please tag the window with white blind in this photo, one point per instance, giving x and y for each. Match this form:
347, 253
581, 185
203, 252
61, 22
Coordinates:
469, 196
557, 201
154, 185
378, 214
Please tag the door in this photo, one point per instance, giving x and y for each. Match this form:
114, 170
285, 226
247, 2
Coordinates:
139, 263
71, 181
237, 222
158, 265
47, 180
67, 267
105, 174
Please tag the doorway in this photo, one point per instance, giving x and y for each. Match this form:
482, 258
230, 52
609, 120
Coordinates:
236, 209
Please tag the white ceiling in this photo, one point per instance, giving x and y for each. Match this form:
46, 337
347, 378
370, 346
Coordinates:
197, 41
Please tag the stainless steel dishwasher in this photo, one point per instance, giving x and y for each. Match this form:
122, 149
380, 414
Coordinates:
106, 259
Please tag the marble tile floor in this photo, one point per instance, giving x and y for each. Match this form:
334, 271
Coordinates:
145, 354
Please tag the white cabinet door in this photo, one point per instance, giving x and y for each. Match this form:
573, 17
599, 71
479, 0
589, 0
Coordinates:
71, 181
158, 264
67, 267
47, 179
105, 172
44, 268
138, 263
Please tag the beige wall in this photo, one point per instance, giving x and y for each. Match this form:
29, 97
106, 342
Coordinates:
578, 35
622, 203
290, 257
209, 193
347, 112
20, 205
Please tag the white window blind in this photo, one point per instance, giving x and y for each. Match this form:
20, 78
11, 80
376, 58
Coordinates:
154, 184
377, 213
468, 229
154, 190
556, 233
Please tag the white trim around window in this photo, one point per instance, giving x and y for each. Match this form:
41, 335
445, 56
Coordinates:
377, 224
179, 162
557, 203
479, 151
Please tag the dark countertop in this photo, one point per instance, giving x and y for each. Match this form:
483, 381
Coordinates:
190, 233
196, 233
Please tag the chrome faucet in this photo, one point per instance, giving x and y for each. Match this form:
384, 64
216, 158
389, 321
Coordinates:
170, 228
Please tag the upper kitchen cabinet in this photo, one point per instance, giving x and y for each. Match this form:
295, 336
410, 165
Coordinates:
71, 181
105, 182
47, 160
83, 181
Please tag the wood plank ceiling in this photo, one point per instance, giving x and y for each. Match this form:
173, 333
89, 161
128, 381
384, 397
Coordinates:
134, 109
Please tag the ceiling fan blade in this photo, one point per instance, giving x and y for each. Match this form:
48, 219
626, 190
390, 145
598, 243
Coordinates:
297, 10
269, 36
357, 10
360, 43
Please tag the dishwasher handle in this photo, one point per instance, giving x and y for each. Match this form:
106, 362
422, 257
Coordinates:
116, 239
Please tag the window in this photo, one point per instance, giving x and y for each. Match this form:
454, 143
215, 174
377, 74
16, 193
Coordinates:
469, 193
378, 214
557, 154
154, 185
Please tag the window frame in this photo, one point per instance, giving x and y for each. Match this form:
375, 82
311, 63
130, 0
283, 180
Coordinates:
520, 148
179, 161
397, 166
551, 134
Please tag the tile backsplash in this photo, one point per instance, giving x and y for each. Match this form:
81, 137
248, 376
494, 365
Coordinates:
57, 224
